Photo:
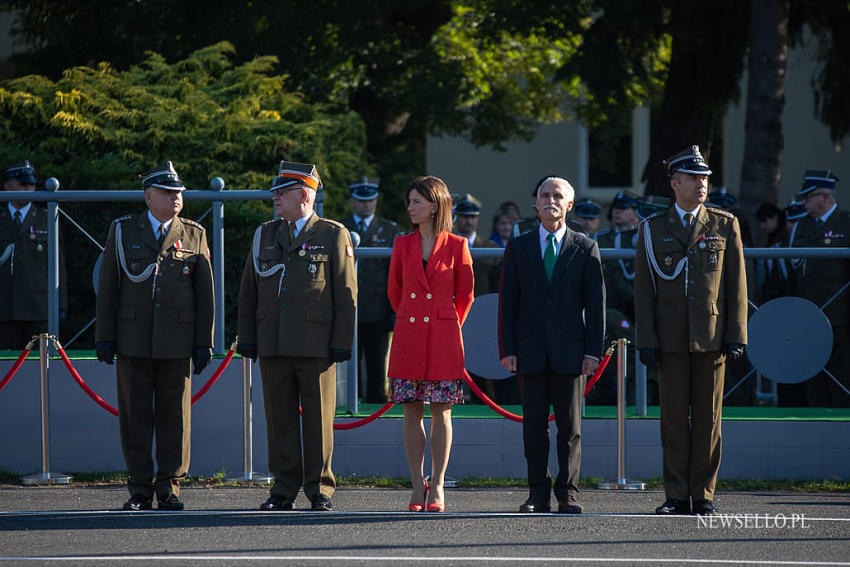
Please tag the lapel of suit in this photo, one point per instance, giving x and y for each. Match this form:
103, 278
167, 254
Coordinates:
143, 225
700, 225
415, 258
306, 233
566, 254
174, 234
532, 249
676, 226
8, 223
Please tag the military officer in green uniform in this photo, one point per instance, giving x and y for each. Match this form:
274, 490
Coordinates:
691, 306
23, 264
375, 317
296, 312
825, 282
155, 310
620, 274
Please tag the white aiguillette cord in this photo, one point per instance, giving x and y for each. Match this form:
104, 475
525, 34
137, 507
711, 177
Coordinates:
122, 261
9, 252
650, 258
271, 271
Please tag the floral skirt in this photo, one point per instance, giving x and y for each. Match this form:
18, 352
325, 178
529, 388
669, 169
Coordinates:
433, 391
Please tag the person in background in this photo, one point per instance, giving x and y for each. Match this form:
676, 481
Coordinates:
430, 288
155, 311
620, 273
23, 264
587, 216
503, 225
374, 314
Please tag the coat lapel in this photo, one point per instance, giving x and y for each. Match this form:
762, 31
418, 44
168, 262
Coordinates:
174, 234
676, 226
415, 258
700, 226
306, 233
146, 232
567, 252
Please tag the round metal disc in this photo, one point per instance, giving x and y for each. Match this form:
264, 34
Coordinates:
481, 339
790, 340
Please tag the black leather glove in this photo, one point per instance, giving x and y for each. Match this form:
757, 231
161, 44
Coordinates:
247, 350
648, 356
105, 351
201, 359
340, 355
733, 351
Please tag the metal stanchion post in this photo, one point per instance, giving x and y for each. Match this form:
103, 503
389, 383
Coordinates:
354, 362
621, 482
217, 184
248, 473
45, 477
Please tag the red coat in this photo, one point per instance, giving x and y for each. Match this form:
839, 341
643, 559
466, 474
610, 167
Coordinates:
430, 307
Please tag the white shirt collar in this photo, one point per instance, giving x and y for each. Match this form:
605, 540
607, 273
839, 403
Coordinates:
155, 224
682, 212
825, 215
367, 221
299, 224
24, 210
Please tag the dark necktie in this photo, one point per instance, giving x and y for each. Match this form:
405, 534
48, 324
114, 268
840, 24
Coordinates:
361, 227
689, 224
291, 232
162, 232
18, 218
550, 256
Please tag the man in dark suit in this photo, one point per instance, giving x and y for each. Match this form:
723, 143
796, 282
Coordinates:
374, 316
155, 310
296, 312
23, 264
551, 328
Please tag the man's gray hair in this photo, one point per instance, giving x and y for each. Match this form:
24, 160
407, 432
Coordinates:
568, 189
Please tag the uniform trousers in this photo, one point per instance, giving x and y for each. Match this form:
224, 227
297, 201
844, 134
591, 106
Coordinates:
373, 342
691, 393
564, 392
16, 334
288, 380
155, 397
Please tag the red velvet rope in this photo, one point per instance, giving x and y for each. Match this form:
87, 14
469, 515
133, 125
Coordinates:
214, 377
518, 418
369, 419
105, 405
15, 367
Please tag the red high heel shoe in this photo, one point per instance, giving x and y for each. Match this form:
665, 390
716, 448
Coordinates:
419, 506
436, 506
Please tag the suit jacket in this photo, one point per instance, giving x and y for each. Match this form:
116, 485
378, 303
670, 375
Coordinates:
167, 314
372, 303
714, 310
818, 280
562, 320
431, 306
309, 311
23, 292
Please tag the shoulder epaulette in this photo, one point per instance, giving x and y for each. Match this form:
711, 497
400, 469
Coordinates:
272, 221
337, 224
192, 223
124, 218
720, 212
653, 216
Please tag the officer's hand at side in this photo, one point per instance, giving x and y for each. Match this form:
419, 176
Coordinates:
648, 356
247, 350
733, 351
201, 359
340, 355
105, 351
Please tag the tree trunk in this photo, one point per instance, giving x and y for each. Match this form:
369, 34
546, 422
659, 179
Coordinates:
708, 46
763, 143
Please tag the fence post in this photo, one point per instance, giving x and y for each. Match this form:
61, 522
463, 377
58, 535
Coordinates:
52, 185
217, 184
248, 473
46, 477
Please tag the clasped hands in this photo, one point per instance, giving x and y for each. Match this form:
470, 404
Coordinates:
588, 364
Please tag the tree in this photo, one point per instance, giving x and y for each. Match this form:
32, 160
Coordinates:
99, 127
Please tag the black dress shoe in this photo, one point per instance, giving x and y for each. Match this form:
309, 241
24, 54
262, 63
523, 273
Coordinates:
569, 505
169, 502
137, 502
675, 507
704, 508
535, 506
277, 503
321, 503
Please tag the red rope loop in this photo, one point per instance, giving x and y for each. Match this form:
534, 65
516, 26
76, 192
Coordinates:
215, 376
76, 376
368, 419
15, 367
518, 418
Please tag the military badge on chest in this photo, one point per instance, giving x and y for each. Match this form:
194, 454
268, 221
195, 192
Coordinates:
828, 237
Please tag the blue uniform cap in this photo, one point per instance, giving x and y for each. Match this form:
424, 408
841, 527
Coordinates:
364, 190
687, 161
23, 172
587, 209
816, 179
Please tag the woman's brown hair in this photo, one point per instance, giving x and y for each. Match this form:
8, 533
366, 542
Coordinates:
434, 190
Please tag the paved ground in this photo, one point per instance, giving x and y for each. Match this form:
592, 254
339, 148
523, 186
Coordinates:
80, 526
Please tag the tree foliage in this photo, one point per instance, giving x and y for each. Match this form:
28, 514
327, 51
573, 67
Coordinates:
98, 127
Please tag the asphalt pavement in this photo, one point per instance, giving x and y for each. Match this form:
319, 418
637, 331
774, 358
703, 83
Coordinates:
222, 526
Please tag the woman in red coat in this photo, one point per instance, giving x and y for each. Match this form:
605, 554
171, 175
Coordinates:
430, 289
